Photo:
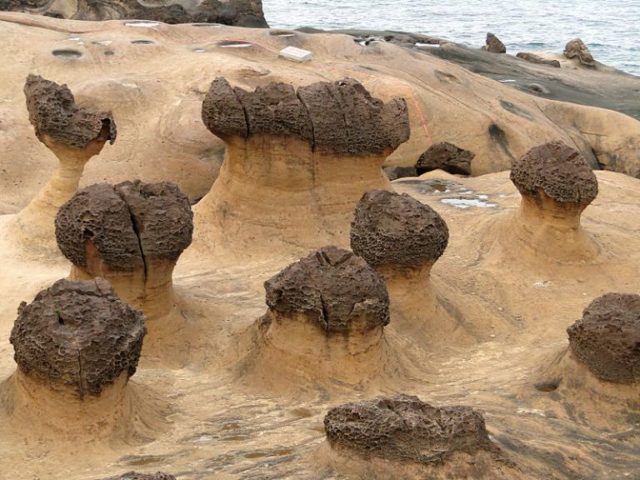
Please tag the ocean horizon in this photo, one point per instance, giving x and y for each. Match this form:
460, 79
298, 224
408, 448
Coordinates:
608, 28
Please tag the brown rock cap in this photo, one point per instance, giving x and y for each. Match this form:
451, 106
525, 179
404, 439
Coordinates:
607, 338
577, 48
445, 156
78, 334
143, 476
127, 223
334, 287
338, 116
403, 428
559, 171
494, 45
53, 112
393, 229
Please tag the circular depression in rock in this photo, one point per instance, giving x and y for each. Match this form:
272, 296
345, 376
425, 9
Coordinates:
234, 44
282, 33
68, 53
142, 42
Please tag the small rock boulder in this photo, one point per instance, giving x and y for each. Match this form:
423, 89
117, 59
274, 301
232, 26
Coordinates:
494, 45
576, 48
445, 156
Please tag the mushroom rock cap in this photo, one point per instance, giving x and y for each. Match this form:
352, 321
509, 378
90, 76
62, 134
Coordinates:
558, 170
332, 285
339, 116
494, 45
143, 476
406, 429
78, 334
446, 156
53, 112
577, 48
126, 223
607, 338
393, 229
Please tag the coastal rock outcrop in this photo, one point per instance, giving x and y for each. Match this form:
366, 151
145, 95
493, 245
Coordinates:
607, 337
131, 234
296, 161
576, 48
494, 45
55, 337
242, 13
533, 58
445, 156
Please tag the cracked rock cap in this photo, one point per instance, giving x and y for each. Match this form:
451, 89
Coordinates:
445, 156
126, 223
338, 116
607, 338
334, 287
53, 112
559, 171
78, 334
143, 476
393, 229
403, 428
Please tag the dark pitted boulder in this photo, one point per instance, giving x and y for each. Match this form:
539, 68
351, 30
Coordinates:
494, 45
607, 338
340, 117
126, 224
143, 476
78, 334
403, 428
447, 157
533, 58
53, 112
333, 287
558, 171
576, 48
397, 230
243, 13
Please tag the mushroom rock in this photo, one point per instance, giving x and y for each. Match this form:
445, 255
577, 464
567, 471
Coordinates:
556, 184
76, 346
607, 338
445, 156
74, 134
325, 320
494, 45
143, 476
403, 437
401, 239
576, 48
295, 162
132, 234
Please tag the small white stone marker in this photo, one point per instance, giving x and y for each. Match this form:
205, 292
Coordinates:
296, 54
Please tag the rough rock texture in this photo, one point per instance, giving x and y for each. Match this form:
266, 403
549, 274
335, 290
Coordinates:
577, 48
53, 112
78, 334
607, 338
494, 45
559, 171
143, 476
447, 157
533, 58
340, 116
126, 223
397, 230
393, 173
243, 13
406, 429
334, 287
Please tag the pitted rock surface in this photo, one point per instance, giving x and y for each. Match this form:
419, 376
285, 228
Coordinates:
78, 334
162, 217
494, 45
338, 116
332, 286
559, 171
445, 156
607, 338
53, 112
143, 476
128, 224
577, 48
397, 230
403, 428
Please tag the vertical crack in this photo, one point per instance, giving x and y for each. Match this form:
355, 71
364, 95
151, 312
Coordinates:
136, 229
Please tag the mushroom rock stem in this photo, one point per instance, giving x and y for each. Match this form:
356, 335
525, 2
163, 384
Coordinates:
296, 162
